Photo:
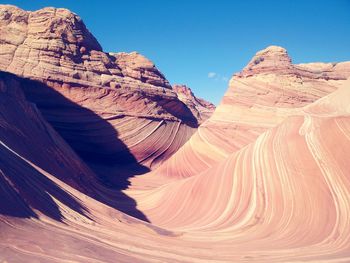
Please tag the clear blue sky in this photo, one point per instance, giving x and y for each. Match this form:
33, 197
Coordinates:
187, 39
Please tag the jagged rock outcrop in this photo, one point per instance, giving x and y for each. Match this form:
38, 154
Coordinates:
138, 67
200, 108
127, 91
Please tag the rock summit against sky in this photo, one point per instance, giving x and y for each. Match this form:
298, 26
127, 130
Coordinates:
103, 160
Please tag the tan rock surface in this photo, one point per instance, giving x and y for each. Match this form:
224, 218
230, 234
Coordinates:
54, 47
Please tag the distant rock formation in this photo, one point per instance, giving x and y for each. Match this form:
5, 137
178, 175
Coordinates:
272, 58
276, 60
200, 108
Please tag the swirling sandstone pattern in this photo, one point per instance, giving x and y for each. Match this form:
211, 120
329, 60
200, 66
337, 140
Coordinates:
282, 198
268, 90
265, 179
126, 90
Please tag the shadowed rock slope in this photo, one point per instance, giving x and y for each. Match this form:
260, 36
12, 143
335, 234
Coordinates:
31, 147
283, 197
264, 179
54, 47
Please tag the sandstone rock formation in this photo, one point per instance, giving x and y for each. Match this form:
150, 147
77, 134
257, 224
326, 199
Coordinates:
127, 91
200, 108
283, 198
267, 175
260, 97
264, 179
24, 134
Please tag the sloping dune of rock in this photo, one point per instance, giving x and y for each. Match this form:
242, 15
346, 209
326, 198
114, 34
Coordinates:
265, 178
268, 90
282, 198
286, 195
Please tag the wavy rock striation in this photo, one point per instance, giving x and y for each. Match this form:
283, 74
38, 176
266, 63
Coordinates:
54, 47
25, 134
284, 197
268, 90
264, 179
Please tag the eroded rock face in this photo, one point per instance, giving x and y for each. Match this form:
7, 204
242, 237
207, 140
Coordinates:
140, 119
200, 108
273, 58
268, 173
136, 66
258, 98
54, 44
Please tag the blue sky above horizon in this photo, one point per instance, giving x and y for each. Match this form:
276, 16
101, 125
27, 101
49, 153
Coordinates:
202, 43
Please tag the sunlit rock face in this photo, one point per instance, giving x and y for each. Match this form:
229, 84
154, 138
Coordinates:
273, 58
267, 175
126, 90
268, 90
264, 179
286, 192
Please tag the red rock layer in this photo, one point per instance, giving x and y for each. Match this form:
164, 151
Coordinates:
266, 177
282, 198
125, 90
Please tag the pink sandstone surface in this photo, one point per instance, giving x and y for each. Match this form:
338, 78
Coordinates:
258, 98
265, 179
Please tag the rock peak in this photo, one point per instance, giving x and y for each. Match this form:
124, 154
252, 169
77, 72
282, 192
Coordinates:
270, 59
134, 59
273, 49
199, 107
48, 23
183, 89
